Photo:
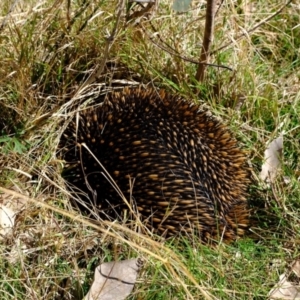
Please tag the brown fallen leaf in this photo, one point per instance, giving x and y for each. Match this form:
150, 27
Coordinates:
10, 206
272, 156
7, 220
296, 268
285, 289
114, 280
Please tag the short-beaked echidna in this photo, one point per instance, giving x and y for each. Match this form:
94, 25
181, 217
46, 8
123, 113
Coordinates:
179, 167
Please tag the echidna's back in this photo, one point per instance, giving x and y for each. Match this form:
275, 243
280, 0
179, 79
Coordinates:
179, 167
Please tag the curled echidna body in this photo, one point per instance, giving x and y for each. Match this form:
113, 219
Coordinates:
178, 166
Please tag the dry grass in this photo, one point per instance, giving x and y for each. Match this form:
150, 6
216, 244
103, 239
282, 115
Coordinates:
49, 52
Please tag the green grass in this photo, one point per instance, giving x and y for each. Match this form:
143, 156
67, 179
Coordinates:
48, 50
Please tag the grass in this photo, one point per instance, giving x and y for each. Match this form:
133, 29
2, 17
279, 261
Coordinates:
48, 50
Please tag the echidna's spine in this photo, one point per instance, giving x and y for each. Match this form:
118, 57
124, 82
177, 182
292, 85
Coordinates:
179, 166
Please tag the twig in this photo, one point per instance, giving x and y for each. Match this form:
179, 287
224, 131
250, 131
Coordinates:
172, 51
142, 12
208, 37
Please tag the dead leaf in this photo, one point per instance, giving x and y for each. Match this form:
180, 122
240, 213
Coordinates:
7, 220
272, 164
114, 280
296, 268
285, 290
10, 206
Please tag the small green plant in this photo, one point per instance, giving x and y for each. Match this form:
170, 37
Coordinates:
13, 144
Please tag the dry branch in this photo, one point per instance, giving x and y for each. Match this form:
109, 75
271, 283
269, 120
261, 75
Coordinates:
208, 37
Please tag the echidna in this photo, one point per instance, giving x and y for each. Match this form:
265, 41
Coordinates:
179, 167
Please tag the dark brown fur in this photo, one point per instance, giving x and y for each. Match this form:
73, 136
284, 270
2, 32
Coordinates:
181, 167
